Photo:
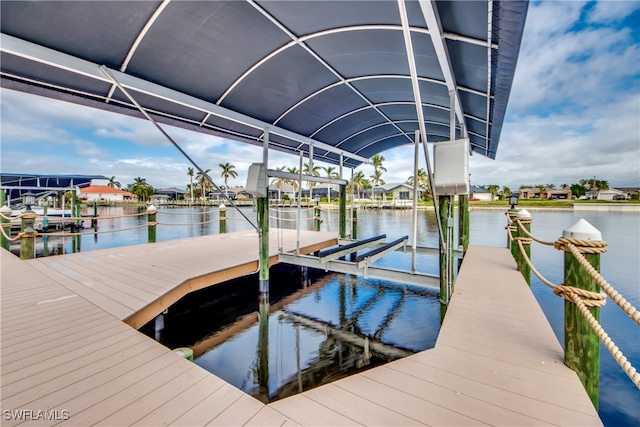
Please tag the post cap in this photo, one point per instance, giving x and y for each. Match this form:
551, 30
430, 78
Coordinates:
583, 230
523, 213
152, 209
222, 207
5, 209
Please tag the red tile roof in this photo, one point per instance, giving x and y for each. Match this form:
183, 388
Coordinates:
103, 189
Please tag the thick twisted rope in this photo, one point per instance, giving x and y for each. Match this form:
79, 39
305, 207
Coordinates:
620, 301
521, 222
9, 238
582, 245
626, 366
583, 299
187, 213
591, 299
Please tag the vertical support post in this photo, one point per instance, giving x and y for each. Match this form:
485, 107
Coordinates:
94, 220
263, 224
77, 212
463, 225
511, 214
343, 211
446, 253
263, 347
299, 212
316, 217
414, 224
310, 172
45, 220
452, 115
262, 205
28, 238
222, 218
581, 343
524, 217
151, 223
5, 223
354, 224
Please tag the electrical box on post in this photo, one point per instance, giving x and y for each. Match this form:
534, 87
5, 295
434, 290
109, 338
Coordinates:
257, 180
451, 167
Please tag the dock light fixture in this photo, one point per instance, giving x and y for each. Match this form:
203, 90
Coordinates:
513, 200
316, 199
29, 199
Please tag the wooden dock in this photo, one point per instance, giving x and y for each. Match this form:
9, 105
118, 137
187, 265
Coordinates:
69, 358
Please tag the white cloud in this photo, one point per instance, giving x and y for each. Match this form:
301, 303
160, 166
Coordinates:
609, 11
574, 112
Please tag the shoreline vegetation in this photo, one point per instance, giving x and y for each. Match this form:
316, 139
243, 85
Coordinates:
529, 204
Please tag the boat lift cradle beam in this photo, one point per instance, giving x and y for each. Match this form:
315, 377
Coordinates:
419, 250
366, 259
382, 273
351, 247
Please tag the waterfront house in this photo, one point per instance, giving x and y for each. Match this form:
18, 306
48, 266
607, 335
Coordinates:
477, 193
556, 193
611, 194
104, 193
172, 193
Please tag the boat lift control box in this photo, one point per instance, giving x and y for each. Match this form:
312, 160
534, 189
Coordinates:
257, 180
451, 167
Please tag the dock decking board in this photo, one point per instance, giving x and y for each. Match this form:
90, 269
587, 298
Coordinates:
65, 346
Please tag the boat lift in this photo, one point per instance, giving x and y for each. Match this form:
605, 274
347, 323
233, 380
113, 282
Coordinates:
362, 264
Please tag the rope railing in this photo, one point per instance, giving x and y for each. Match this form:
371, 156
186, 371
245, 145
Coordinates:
583, 299
215, 211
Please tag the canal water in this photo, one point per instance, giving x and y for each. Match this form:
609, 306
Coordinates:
404, 318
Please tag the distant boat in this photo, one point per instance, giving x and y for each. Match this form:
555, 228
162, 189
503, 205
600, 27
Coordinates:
55, 217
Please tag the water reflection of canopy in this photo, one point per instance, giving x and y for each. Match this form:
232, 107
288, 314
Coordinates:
349, 77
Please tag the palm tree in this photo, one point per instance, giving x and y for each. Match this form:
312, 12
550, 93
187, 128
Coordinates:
190, 173
227, 171
423, 182
293, 182
357, 182
315, 171
331, 173
278, 182
141, 189
376, 178
113, 183
203, 182
493, 189
506, 192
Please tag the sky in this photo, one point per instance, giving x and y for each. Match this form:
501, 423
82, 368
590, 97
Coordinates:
574, 113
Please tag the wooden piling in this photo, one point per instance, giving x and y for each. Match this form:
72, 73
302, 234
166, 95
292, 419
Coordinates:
263, 225
354, 224
151, 223
343, 211
446, 255
523, 267
581, 343
222, 218
5, 223
463, 225
316, 217
28, 237
511, 214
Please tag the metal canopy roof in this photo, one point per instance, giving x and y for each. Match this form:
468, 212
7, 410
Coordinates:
344, 76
